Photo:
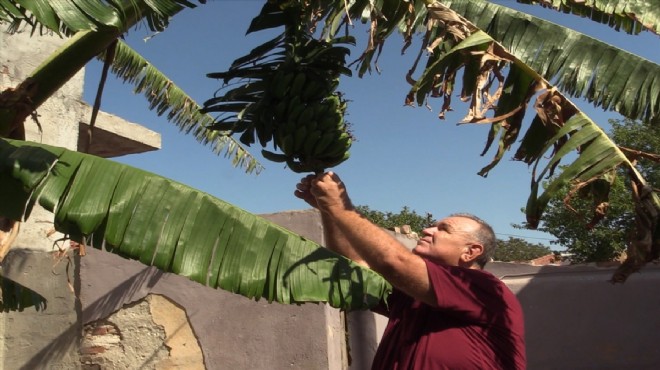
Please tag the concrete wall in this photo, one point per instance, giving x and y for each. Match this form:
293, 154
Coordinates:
232, 331
39, 259
31, 337
576, 319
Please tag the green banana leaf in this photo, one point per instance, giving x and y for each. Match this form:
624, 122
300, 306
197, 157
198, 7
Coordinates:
16, 297
142, 216
578, 65
72, 16
598, 156
167, 99
631, 16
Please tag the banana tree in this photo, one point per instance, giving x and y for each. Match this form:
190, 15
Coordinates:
505, 61
507, 58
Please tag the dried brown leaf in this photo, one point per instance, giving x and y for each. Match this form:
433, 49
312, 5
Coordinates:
8, 232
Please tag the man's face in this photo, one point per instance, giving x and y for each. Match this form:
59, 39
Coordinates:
448, 240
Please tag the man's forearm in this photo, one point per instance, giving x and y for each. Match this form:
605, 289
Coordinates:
335, 240
384, 254
367, 240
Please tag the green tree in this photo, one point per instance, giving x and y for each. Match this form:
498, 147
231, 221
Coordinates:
642, 140
519, 250
389, 220
569, 218
504, 63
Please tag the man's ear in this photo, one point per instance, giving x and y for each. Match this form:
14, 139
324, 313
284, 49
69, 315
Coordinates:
472, 251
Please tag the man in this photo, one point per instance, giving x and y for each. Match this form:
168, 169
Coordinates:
445, 312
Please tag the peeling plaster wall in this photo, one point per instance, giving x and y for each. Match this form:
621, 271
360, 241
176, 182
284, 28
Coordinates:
127, 339
184, 349
152, 333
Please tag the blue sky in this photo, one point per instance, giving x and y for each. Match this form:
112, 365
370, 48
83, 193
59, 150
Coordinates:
403, 156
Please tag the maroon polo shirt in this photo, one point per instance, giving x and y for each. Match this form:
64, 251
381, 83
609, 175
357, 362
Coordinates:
477, 324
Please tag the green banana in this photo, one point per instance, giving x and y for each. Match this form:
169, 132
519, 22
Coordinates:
299, 139
295, 108
335, 162
338, 147
288, 128
330, 123
324, 142
280, 110
306, 116
334, 102
314, 90
323, 108
280, 83
313, 125
334, 84
311, 141
264, 127
275, 157
287, 145
297, 84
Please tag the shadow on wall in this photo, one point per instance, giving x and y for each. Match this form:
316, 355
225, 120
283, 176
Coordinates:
576, 319
101, 308
363, 328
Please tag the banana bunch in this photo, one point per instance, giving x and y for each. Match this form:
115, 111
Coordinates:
309, 127
288, 98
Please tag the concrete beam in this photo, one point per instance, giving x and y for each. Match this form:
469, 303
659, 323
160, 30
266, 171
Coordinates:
113, 136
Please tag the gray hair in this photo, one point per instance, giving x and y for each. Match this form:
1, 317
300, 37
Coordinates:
484, 235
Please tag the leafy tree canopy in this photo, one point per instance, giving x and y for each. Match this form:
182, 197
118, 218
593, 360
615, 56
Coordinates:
517, 250
606, 240
389, 220
512, 250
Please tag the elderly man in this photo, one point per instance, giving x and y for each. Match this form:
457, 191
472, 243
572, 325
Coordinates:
445, 312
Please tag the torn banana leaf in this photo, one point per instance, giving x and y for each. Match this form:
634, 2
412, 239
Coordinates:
162, 223
598, 156
577, 64
630, 16
74, 16
168, 100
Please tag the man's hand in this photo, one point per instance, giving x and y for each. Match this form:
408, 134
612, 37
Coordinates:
330, 193
303, 191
